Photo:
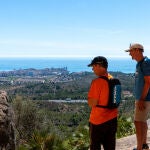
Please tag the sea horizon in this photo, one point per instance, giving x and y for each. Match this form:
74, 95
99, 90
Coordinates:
74, 64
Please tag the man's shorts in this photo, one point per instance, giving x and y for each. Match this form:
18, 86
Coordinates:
142, 115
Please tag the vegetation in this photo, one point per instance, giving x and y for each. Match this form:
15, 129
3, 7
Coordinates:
42, 124
73, 86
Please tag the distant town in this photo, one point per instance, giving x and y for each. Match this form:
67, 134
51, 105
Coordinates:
57, 82
22, 76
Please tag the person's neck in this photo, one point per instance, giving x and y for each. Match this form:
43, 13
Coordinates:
140, 58
104, 74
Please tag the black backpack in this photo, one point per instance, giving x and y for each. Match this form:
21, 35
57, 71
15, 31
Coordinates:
114, 93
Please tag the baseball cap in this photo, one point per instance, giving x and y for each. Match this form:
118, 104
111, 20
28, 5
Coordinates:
99, 60
135, 46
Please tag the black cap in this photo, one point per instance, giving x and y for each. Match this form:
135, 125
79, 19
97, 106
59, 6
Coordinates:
99, 60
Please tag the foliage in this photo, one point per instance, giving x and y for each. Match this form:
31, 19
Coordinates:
75, 86
28, 118
43, 125
42, 141
125, 127
127, 108
47, 125
79, 139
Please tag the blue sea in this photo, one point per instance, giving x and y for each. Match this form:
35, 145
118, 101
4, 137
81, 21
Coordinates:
125, 65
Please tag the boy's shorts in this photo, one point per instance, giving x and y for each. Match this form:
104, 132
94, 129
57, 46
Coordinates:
142, 115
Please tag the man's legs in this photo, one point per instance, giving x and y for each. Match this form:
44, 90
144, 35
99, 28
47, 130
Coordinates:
141, 133
140, 121
145, 133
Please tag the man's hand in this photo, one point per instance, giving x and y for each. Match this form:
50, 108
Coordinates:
141, 105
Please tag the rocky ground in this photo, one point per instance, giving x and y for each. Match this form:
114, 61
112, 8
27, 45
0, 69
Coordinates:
128, 143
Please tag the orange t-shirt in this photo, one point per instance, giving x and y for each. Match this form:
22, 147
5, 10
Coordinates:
99, 90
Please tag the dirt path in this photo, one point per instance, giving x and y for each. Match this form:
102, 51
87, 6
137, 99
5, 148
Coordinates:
128, 143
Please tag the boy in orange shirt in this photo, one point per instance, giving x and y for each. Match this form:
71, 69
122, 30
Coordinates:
103, 121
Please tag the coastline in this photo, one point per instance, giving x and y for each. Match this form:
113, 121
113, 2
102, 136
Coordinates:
72, 64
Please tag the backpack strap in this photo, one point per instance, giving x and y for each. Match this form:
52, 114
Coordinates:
106, 79
102, 106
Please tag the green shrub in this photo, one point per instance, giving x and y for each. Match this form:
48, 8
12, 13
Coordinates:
125, 127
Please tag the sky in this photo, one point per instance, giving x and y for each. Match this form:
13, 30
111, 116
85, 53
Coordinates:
73, 28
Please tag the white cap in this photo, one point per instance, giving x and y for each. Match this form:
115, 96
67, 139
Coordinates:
135, 46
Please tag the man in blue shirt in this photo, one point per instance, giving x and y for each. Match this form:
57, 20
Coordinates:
142, 94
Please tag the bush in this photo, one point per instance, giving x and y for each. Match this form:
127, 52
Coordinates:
125, 127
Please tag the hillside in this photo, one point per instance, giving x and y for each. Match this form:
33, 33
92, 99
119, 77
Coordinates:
52, 105
57, 83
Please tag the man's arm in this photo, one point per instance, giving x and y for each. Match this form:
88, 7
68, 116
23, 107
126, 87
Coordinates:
92, 102
146, 87
144, 92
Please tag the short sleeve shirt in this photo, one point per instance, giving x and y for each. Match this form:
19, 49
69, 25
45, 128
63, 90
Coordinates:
142, 69
99, 90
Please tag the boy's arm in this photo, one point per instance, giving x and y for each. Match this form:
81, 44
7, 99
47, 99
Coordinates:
92, 102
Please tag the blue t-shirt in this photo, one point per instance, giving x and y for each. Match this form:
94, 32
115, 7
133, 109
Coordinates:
142, 69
